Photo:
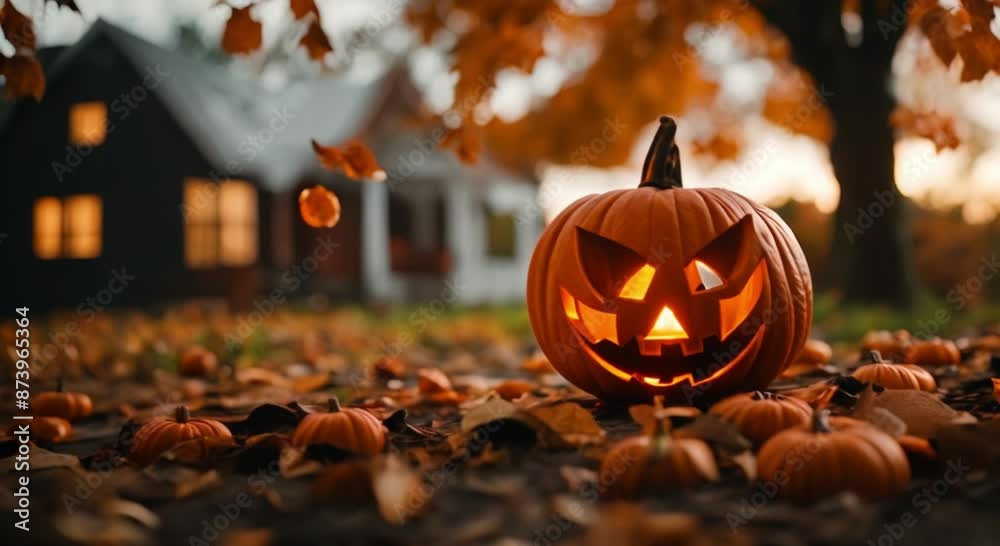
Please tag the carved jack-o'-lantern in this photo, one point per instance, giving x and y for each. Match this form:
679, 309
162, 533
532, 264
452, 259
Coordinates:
656, 290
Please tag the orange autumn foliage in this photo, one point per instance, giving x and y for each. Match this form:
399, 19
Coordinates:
353, 157
243, 34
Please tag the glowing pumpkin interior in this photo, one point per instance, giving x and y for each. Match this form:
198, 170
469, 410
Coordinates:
661, 325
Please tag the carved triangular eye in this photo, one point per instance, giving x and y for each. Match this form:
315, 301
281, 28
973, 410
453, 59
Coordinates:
707, 277
609, 266
718, 260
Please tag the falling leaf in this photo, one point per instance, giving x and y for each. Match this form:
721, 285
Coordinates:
25, 77
319, 207
389, 367
466, 142
922, 412
17, 27
353, 157
716, 431
494, 409
316, 42
243, 34
301, 8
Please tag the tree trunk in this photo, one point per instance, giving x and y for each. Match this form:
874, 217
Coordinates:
870, 255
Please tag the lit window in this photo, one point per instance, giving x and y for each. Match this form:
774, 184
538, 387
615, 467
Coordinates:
88, 123
70, 228
220, 223
48, 228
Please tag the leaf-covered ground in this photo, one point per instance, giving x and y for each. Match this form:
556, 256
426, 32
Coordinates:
486, 445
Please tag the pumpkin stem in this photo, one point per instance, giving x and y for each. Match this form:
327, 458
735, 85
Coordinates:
182, 414
761, 395
874, 357
334, 404
821, 421
662, 168
660, 430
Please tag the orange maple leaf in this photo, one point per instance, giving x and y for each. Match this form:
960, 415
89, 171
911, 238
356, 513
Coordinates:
465, 142
316, 42
936, 127
301, 8
25, 77
353, 157
243, 33
17, 27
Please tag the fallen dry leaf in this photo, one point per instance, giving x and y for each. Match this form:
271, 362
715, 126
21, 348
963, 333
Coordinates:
974, 444
197, 484
353, 157
243, 34
922, 412
432, 380
568, 423
398, 490
538, 364
880, 418
512, 389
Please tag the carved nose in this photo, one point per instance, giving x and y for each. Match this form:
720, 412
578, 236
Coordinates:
666, 327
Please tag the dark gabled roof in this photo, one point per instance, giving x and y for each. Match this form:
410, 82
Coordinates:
222, 111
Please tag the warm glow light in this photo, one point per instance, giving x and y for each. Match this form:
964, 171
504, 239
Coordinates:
598, 324
238, 212
569, 304
636, 286
666, 327
83, 226
48, 228
736, 309
220, 223
88, 123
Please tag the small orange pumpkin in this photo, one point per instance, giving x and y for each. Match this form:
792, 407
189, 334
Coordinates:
51, 429
761, 415
197, 362
349, 429
67, 405
163, 433
934, 352
894, 376
893, 345
832, 455
655, 460
815, 351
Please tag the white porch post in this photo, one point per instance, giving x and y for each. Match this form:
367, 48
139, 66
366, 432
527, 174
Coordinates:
375, 266
463, 230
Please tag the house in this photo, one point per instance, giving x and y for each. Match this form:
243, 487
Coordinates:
167, 171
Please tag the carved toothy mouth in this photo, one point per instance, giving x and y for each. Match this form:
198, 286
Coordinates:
717, 358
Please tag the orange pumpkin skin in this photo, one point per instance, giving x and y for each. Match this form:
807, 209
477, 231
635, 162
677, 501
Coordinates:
811, 462
51, 429
761, 415
352, 430
934, 352
163, 433
67, 405
894, 376
668, 228
655, 460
